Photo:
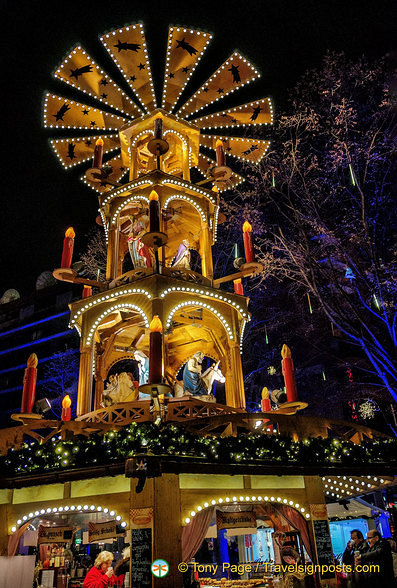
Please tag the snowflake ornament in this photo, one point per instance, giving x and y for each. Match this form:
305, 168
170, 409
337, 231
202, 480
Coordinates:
367, 409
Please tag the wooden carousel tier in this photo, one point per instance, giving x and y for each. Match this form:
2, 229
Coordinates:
196, 415
176, 273
174, 409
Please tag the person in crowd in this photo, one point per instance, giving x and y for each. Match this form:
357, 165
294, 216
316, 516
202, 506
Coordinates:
101, 572
379, 555
122, 566
393, 546
356, 543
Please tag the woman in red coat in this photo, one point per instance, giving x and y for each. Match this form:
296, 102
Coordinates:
101, 572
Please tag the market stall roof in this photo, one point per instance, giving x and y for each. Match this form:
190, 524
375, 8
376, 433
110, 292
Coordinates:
338, 487
355, 508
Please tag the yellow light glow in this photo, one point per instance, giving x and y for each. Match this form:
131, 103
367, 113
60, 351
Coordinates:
32, 361
66, 402
265, 393
70, 233
285, 351
247, 228
153, 195
219, 143
156, 326
99, 142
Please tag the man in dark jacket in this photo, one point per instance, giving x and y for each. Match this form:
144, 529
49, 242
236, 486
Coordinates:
378, 554
357, 543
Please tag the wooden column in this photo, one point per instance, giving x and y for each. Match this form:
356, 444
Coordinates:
99, 387
237, 398
133, 164
185, 161
315, 495
85, 381
111, 254
207, 268
167, 529
158, 308
3, 530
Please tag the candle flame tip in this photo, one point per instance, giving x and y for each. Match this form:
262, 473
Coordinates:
32, 361
247, 227
156, 326
70, 233
153, 195
219, 143
66, 402
99, 142
285, 351
265, 393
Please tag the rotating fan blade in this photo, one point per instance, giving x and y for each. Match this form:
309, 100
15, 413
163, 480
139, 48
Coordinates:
204, 163
255, 113
185, 47
118, 171
127, 48
74, 151
237, 71
81, 72
60, 112
252, 150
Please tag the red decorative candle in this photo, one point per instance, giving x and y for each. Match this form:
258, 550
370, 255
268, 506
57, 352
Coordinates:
158, 126
156, 351
154, 212
66, 410
248, 248
265, 402
29, 384
220, 154
87, 291
287, 366
68, 244
98, 154
238, 287
266, 406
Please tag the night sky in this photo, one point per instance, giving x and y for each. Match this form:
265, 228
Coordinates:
39, 198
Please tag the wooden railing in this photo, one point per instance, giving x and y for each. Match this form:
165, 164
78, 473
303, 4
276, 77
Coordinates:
196, 415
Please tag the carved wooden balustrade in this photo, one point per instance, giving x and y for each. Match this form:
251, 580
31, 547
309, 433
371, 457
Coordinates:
196, 415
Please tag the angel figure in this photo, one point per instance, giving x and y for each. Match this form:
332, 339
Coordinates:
182, 258
140, 253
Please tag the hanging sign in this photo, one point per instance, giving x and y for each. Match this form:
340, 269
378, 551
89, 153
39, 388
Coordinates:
141, 517
55, 534
101, 531
141, 558
322, 539
235, 520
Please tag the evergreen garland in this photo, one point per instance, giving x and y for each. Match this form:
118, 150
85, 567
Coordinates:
174, 441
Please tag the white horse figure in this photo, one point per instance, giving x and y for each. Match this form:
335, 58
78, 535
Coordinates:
211, 375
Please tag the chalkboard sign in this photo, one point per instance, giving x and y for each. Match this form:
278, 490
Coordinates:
141, 558
324, 546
